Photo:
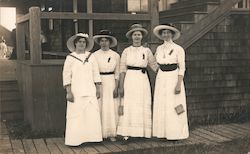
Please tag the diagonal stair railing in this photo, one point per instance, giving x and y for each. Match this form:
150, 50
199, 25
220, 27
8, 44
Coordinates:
206, 24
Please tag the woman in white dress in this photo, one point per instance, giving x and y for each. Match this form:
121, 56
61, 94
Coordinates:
108, 61
135, 87
82, 81
168, 121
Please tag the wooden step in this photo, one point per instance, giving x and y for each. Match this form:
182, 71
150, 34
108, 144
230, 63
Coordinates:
184, 17
5, 95
201, 7
182, 4
11, 106
16, 115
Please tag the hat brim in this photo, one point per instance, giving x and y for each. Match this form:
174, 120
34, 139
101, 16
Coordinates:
71, 46
112, 44
157, 29
129, 33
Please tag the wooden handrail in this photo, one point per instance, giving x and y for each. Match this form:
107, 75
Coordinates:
94, 16
23, 18
206, 24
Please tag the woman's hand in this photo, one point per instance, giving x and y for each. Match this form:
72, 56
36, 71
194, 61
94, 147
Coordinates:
178, 88
98, 89
70, 97
120, 110
115, 92
98, 93
121, 91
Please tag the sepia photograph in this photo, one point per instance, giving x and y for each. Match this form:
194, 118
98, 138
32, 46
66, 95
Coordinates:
125, 76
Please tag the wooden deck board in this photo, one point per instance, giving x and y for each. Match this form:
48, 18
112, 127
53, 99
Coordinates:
63, 148
111, 146
200, 139
201, 135
5, 146
53, 148
240, 134
144, 144
242, 126
124, 147
40, 146
239, 129
29, 146
90, 149
78, 150
219, 138
207, 137
101, 148
224, 133
17, 146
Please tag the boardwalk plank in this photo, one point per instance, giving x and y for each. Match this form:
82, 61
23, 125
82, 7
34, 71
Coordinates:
40, 146
239, 129
78, 150
192, 140
29, 146
221, 132
213, 135
154, 144
3, 130
89, 149
144, 144
4, 136
210, 138
17, 146
53, 148
101, 148
239, 134
200, 139
63, 148
242, 126
123, 147
135, 145
112, 147
5, 146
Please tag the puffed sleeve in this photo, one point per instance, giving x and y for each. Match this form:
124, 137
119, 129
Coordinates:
123, 66
95, 69
152, 61
117, 67
181, 61
67, 71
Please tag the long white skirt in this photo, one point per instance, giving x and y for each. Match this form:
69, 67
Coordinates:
83, 121
108, 106
136, 120
166, 122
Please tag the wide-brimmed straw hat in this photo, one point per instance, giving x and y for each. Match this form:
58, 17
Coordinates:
136, 27
157, 29
106, 34
71, 46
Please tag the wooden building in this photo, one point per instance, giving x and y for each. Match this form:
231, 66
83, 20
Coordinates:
215, 35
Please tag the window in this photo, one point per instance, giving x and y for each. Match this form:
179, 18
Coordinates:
135, 6
8, 17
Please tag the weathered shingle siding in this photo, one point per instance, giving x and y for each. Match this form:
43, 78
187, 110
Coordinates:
218, 73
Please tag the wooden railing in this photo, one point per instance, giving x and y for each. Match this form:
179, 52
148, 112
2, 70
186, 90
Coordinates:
200, 28
34, 20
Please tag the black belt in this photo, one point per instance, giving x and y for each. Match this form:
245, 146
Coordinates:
168, 67
143, 69
106, 73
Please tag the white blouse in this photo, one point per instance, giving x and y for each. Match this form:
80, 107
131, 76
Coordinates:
171, 53
138, 57
108, 61
81, 76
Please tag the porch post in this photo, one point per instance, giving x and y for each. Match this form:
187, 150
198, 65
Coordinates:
90, 10
20, 41
35, 31
154, 14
